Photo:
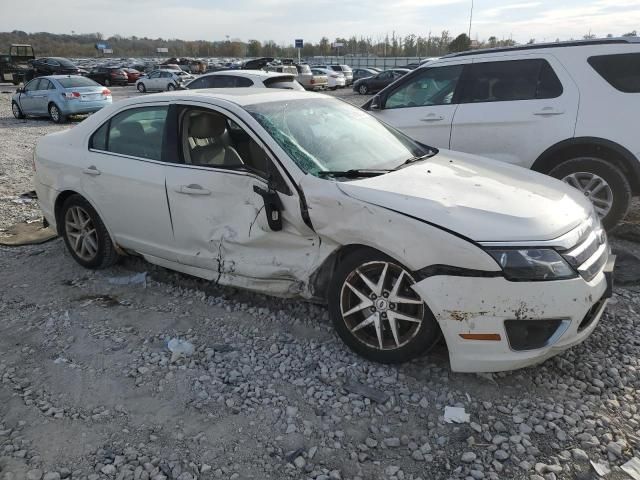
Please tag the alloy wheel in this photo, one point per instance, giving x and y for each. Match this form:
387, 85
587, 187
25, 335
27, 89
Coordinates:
363, 89
55, 113
379, 307
141, 87
81, 232
595, 188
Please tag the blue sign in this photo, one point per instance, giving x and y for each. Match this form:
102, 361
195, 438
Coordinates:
101, 46
298, 43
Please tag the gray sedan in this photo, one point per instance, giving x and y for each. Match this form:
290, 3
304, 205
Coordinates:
58, 96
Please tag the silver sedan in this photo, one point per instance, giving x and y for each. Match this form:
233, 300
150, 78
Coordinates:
58, 96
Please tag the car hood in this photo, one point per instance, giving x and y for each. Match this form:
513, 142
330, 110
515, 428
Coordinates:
479, 198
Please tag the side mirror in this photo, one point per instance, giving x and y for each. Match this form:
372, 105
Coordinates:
376, 103
272, 207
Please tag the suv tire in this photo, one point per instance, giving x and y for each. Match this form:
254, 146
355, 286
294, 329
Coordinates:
602, 182
407, 327
79, 220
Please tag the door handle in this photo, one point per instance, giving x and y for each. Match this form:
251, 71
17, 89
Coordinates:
92, 170
432, 117
193, 189
548, 111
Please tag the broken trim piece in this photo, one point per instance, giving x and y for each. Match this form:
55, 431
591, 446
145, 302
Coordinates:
449, 271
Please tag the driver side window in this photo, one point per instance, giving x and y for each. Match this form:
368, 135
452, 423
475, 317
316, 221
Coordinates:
32, 85
212, 139
433, 86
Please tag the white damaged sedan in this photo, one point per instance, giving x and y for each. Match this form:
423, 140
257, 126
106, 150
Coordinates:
300, 195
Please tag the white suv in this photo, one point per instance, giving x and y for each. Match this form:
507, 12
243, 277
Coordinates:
567, 109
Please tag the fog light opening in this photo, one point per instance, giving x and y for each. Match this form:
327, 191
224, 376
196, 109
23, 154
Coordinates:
534, 334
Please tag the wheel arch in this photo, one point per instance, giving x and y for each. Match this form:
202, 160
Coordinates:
321, 278
57, 212
591, 146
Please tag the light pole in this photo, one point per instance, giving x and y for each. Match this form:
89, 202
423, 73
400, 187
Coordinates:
470, 19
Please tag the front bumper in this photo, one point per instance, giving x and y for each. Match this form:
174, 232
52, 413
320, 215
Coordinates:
468, 305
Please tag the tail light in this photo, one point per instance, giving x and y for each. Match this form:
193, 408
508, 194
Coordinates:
71, 95
106, 92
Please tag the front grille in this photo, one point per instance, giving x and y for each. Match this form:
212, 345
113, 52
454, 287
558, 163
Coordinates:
590, 254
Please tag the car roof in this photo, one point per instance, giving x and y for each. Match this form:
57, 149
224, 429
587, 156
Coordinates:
246, 73
239, 96
536, 46
57, 77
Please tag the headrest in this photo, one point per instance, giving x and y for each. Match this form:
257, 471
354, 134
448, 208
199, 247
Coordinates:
131, 129
207, 125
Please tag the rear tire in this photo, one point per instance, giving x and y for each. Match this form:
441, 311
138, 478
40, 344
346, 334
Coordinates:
55, 114
171, 87
85, 235
389, 314
600, 181
16, 110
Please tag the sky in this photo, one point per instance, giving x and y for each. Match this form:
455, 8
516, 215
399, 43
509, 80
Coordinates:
285, 20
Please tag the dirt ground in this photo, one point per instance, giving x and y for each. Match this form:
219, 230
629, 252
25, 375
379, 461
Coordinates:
89, 389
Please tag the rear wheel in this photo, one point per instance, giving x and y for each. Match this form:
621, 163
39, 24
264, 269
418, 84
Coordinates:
363, 89
604, 184
55, 114
15, 109
375, 311
171, 87
85, 235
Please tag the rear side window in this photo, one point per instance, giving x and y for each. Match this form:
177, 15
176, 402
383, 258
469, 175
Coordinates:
137, 132
288, 83
510, 81
622, 71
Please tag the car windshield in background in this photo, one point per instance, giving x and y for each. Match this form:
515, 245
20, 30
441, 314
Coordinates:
64, 62
329, 135
75, 82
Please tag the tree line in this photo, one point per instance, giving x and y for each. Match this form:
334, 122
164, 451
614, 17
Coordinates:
83, 45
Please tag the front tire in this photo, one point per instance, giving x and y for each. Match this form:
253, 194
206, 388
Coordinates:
85, 235
376, 313
363, 89
55, 114
604, 184
171, 87
17, 112
142, 88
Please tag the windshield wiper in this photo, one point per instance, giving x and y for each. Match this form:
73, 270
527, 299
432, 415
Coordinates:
416, 159
354, 173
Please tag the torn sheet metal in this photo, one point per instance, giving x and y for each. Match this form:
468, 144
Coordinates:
632, 468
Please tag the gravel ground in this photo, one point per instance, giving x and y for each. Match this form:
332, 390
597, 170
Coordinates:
90, 391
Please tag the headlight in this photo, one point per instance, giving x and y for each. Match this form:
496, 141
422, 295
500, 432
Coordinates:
532, 264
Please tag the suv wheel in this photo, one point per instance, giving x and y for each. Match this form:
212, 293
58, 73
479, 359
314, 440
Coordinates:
600, 181
363, 89
375, 311
15, 109
85, 235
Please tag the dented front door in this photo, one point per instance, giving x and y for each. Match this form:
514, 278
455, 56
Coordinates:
219, 224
